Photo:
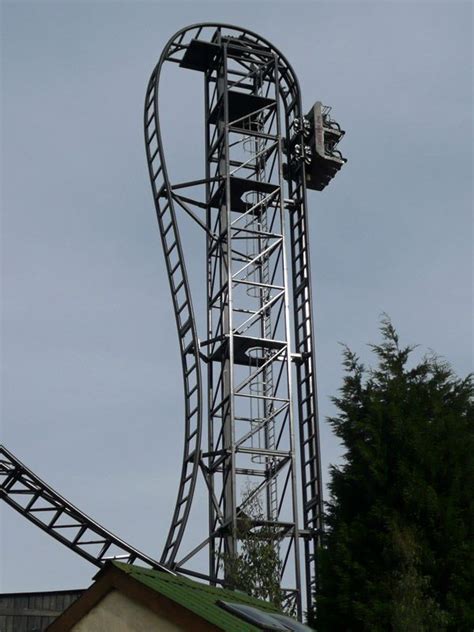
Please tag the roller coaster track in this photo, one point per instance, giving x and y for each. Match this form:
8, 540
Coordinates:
165, 202
40, 504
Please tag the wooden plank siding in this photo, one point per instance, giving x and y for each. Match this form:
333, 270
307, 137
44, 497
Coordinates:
33, 611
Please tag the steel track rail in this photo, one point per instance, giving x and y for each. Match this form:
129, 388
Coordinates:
184, 316
187, 335
43, 506
39, 503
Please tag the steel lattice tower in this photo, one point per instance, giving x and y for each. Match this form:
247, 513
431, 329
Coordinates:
251, 417
261, 154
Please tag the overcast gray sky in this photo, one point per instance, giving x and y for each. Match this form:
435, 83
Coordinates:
91, 383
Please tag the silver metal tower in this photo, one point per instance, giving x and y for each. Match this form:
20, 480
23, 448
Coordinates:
261, 154
251, 418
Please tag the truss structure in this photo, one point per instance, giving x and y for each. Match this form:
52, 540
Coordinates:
259, 340
40, 504
249, 382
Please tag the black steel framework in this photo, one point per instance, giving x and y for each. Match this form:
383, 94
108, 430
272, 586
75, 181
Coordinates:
260, 155
40, 504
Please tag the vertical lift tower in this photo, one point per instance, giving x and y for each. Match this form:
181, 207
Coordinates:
261, 154
257, 355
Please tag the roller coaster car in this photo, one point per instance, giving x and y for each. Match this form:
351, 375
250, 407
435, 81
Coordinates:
323, 134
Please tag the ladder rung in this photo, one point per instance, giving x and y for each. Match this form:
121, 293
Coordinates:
92, 542
306, 378
190, 370
183, 500
79, 534
298, 221
151, 92
302, 286
301, 274
179, 286
192, 435
167, 229
150, 119
180, 309
38, 509
183, 330
32, 502
311, 503
55, 518
193, 390
152, 158
174, 268
169, 250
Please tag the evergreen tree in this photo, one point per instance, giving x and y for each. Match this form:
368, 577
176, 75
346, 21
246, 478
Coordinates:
256, 568
398, 551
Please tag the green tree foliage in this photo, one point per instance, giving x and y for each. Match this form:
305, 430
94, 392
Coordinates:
256, 568
399, 551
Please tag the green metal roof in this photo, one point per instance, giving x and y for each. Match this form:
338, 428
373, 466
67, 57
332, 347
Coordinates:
198, 598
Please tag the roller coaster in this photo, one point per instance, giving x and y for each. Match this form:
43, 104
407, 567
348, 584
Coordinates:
243, 441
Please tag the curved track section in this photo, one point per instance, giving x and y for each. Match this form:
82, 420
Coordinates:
35, 500
185, 322
181, 296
